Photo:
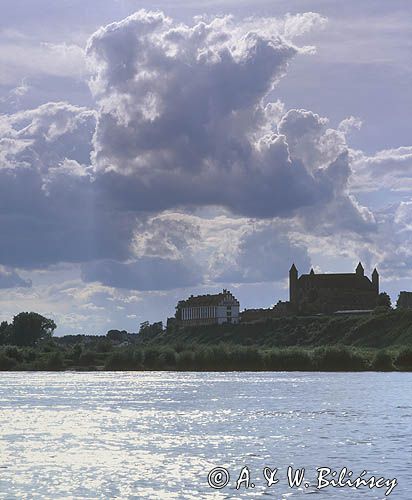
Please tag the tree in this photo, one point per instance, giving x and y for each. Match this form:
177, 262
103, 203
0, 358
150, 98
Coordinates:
384, 300
77, 350
116, 335
157, 327
151, 329
5, 333
30, 327
144, 327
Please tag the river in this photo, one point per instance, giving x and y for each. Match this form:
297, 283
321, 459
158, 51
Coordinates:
158, 434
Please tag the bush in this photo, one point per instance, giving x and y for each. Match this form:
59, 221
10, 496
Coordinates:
382, 362
7, 363
48, 346
30, 354
338, 358
273, 360
15, 353
214, 358
298, 359
125, 361
293, 359
167, 359
404, 359
54, 362
88, 359
103, 345
151, 358
246, 358
76, 352
185, 360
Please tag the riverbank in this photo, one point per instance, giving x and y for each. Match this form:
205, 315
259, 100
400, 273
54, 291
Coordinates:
381, 341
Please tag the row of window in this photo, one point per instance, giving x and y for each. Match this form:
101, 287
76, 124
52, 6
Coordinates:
202, 312
199, 312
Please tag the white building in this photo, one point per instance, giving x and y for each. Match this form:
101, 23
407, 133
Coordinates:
208, 309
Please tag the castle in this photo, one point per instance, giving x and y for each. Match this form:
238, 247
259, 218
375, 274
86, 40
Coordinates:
328, 293
313, 293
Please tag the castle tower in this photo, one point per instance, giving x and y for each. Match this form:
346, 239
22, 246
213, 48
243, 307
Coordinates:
293, 284
375, 280
359, 270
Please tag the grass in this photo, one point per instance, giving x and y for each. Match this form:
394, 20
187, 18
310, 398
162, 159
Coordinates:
221, 357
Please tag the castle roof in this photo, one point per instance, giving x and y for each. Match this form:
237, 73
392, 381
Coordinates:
341, 281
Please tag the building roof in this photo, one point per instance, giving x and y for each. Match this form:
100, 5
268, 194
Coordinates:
341, 281
208, 300
359, 268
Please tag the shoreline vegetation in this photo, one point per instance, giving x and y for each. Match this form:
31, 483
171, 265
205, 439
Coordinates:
219, 358
381, 341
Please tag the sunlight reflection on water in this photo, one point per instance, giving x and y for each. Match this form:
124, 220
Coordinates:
157, 435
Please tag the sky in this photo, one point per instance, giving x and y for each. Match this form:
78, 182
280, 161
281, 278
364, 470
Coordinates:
154, 150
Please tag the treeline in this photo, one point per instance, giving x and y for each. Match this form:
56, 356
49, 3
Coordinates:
223, 357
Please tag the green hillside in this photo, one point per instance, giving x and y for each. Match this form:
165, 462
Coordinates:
378, 330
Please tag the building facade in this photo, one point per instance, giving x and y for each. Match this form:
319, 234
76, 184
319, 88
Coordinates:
208, 309
328, 293
404, 300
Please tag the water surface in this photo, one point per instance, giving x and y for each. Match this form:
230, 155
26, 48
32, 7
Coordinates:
157, 435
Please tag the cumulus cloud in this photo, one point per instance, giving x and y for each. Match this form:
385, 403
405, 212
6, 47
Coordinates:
394, 240
263, 253
40, 138
169, 236
310, 140
190, 250
183, 121
22, 56
163, 255
387, 169
184, 118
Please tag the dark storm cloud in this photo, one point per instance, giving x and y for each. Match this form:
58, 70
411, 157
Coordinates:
50, 210
147, 273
